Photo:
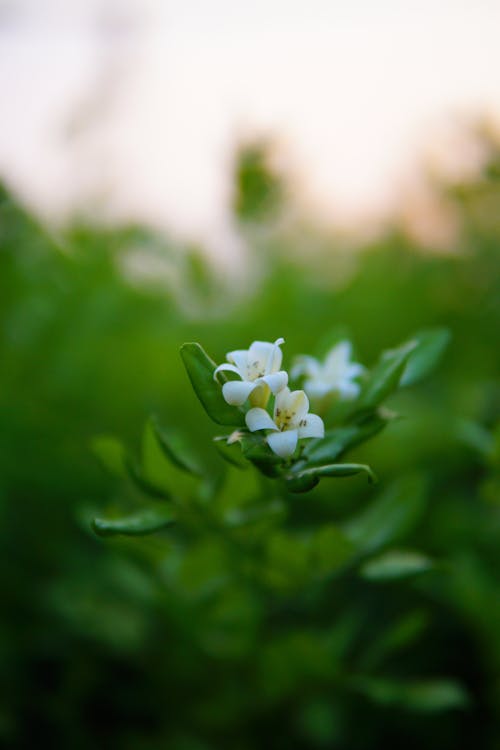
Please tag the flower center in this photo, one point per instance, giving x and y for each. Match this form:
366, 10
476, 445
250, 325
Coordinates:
255, 369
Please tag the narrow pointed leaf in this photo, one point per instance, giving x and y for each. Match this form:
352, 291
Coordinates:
146, 485
173, 450
111, 454
200, 369
390, 516
431, 345
385, 377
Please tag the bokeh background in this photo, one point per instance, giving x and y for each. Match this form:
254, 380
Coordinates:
227, 172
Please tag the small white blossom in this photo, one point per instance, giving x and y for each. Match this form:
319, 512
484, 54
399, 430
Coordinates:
259, 370
291, 421
335, 375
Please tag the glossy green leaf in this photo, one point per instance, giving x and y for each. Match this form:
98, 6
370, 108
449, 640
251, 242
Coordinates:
430, 347
200, 369
396, 564
385, 377
146, 522
390, 516
306, 479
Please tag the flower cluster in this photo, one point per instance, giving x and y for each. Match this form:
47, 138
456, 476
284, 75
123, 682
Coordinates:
260, 375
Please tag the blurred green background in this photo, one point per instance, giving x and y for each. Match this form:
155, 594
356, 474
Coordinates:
138, 643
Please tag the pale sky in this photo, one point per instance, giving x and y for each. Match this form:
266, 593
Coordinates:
133, 108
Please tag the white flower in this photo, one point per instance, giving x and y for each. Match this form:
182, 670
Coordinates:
259, 370
291, 421
335, 374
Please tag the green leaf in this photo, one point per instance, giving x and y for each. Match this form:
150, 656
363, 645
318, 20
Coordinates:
431, 345
338, 441
111, 454
173, 448
428, 696
138, 524
385, 377
400, 634
114, 457
396, 564
229, 448
256, 450
390, 516
304, 480
152, 488
200, 369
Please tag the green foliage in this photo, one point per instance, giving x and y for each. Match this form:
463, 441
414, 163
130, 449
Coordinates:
200, 369
249, 616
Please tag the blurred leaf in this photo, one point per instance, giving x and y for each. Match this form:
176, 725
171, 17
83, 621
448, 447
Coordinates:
173, 449
338, 441
390, 516
396, 564
139, 524
431, 345
419, 695
385, 377
397, 636
200, 369
152, 488
256, 450
229, 449
111, 453
306, 479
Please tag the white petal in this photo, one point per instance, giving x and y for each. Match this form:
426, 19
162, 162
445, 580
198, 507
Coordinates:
281, 400
236, 392
339, 355
318, 388
295, 402
314, 427
268, 355
276, 381
349, 390
240, 358
283, 443
306, 366
259, 419
354, 369
225, 367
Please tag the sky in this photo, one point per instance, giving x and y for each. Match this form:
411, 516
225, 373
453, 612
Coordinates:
133, 109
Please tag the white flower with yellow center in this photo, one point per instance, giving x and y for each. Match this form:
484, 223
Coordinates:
335, 375
291, 421
259, 370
